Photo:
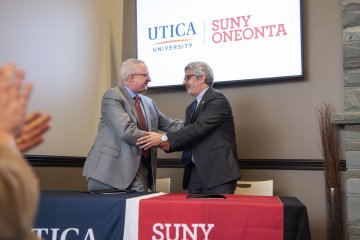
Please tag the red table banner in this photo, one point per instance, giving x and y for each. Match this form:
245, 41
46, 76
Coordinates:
175, 217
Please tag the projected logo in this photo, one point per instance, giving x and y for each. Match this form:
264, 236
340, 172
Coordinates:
172, 37
239, 28
219, 31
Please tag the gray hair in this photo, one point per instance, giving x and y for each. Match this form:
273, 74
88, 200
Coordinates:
128, 68
202, 69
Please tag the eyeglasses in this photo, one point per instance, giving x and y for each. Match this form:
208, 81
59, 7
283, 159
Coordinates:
147, 75
187, 77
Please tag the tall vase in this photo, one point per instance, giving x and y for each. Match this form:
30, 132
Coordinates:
335, 224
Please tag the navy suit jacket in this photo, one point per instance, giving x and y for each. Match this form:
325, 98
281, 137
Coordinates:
211, 137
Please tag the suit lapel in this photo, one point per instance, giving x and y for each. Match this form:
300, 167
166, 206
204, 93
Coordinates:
188, 115
124, 93
145, 104
202, 103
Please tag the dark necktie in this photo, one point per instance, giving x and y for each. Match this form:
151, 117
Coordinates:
142, 122
187, 154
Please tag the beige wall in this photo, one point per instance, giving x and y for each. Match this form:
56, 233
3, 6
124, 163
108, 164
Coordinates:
66, 48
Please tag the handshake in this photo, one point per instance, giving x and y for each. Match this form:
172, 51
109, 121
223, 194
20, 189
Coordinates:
153, 139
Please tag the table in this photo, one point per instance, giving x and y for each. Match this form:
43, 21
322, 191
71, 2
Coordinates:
76, 215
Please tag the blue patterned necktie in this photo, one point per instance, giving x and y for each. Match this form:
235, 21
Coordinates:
187, 154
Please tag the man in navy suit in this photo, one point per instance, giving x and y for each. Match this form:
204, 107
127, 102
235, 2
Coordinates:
207, 139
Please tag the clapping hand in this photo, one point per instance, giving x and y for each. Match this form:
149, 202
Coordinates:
36, 124
14, 96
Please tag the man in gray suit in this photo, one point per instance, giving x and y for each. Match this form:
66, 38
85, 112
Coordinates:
115, 161
207, 139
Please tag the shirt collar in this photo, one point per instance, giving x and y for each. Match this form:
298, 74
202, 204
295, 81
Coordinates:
201, 94
131, 93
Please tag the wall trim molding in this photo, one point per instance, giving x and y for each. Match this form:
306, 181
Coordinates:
274, 164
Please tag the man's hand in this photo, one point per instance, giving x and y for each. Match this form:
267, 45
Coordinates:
36, 124
150, 139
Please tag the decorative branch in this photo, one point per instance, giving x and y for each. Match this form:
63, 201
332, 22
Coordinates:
330, 148
330, 145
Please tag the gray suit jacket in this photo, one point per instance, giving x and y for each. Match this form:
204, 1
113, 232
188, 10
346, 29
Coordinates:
211, 138
115, 158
